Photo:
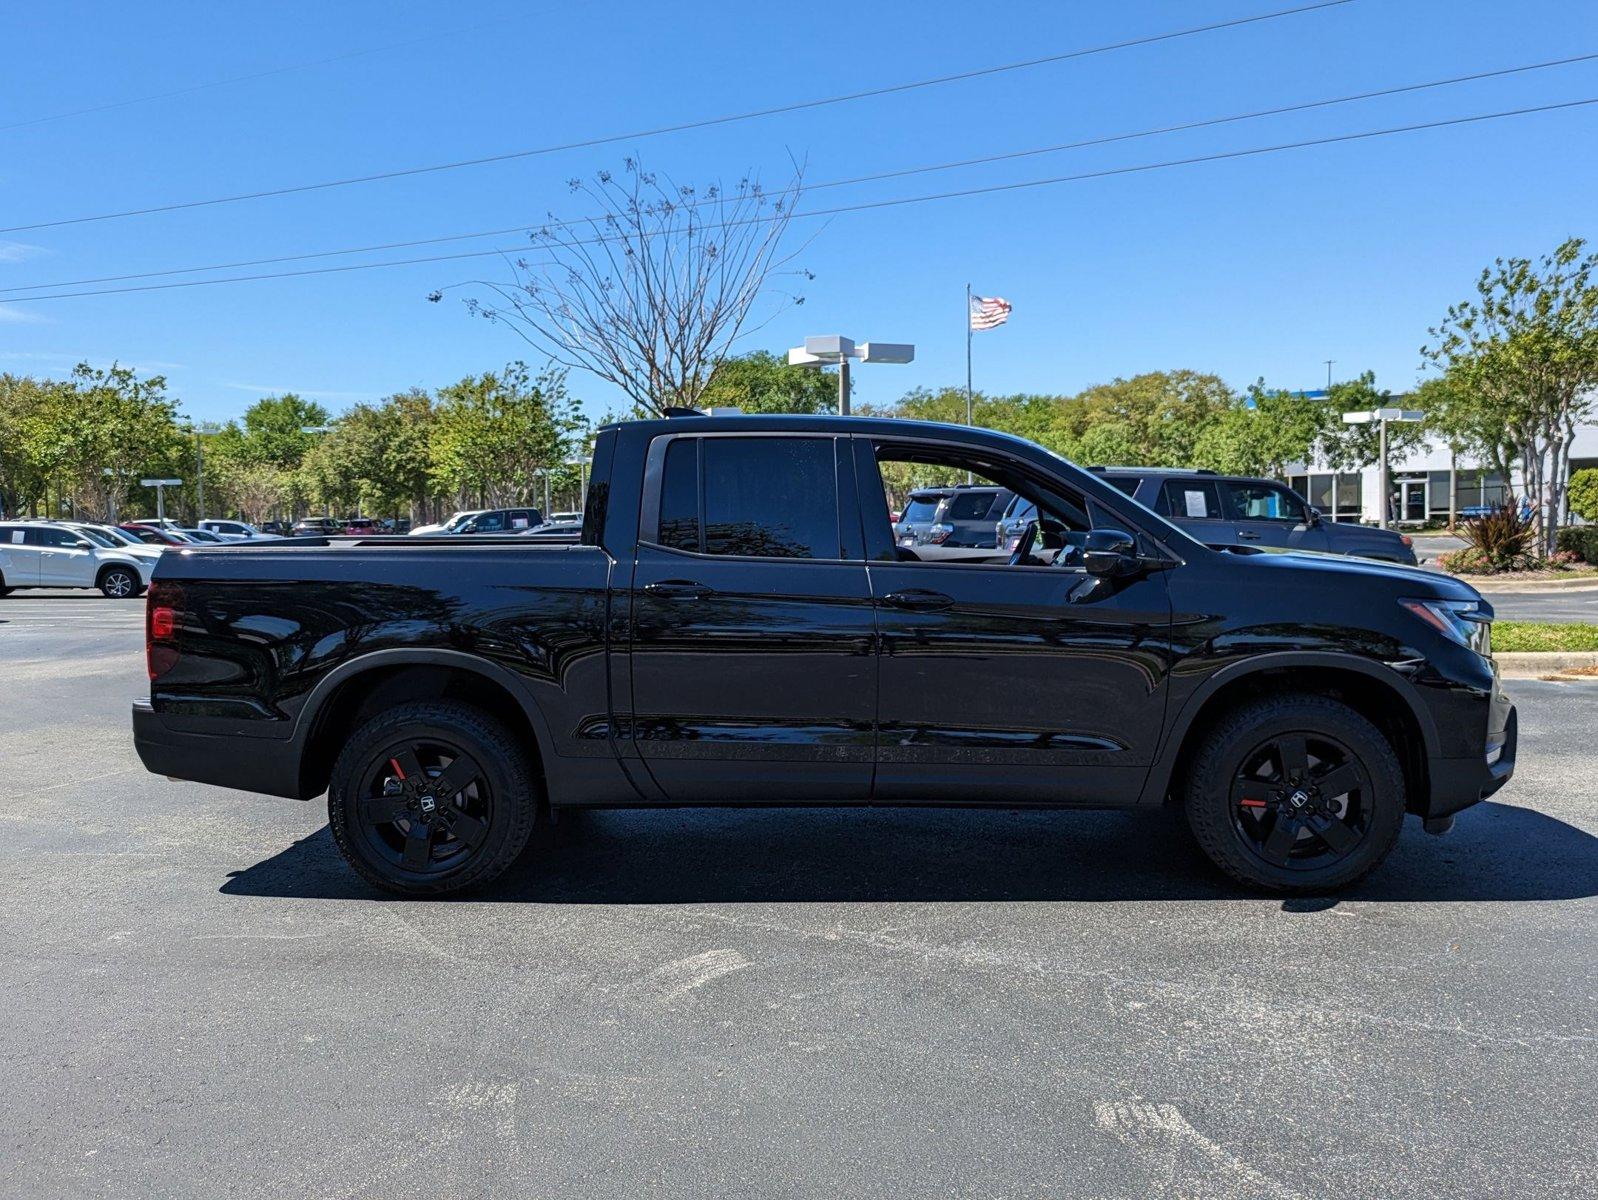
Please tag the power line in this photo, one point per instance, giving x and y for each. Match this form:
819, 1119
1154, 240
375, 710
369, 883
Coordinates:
686, 125
861, 207
267, 74
1106, 139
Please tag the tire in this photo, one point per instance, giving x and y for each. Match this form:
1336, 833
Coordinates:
1295, 794
402, 837
119, 583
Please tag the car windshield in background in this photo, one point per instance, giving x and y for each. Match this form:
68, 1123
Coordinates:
98, 538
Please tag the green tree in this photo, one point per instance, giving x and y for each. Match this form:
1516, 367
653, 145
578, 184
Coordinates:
1263, 434
763, 383
1584, 494
494, 433
1522, 356
1351, 447
1154, 419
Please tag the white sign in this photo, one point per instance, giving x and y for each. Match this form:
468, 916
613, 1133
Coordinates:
161, 482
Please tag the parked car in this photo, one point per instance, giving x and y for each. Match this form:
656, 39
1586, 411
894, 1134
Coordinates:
40, 554
736, 625
238, 531
317, 527
1230, 510
154, 535
456, 520
960, 525
111, 538
361, 527
277, 528
501, 520
203, 537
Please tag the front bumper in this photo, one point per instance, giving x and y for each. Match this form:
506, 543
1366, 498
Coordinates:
1460, 782
269, 765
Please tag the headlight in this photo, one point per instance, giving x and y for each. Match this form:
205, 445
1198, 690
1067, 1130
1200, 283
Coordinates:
1460, 620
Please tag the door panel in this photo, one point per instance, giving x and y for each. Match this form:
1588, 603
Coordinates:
753, 676
19, 561
1018, 683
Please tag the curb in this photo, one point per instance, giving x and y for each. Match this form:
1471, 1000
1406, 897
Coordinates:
1587, 583
1534, 664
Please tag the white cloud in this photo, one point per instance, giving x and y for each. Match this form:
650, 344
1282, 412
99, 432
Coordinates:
10, 314
315, 393
15, 252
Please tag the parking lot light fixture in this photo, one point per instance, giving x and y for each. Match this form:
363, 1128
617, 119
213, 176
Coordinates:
833, 348
1381, 417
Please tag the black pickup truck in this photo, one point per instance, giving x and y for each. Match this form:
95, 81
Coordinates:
735, 625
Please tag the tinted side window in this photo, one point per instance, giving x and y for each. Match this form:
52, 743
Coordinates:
770, 497
679, 496
1125, 483
970, 506
1191, 500
1262, 502
49, 537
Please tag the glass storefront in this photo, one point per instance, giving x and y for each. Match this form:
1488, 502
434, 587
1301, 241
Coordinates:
1337, 496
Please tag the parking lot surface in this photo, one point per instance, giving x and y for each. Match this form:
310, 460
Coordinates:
204, 1001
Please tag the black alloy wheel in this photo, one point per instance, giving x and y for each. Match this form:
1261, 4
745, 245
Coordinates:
431, 797
426, 805
1295, 793
1299, 801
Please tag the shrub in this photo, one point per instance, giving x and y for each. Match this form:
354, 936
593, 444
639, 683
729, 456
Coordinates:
1564, 558
1504, 537
1580, 540
1468, 561
1583, 494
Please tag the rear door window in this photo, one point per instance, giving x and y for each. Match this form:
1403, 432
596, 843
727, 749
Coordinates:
1124, 483
753, 497
970, 506
1190, 500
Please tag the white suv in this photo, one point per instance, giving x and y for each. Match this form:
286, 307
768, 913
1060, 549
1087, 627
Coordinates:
35, 554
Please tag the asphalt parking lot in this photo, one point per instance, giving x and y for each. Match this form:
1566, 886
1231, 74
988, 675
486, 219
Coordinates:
202, 1000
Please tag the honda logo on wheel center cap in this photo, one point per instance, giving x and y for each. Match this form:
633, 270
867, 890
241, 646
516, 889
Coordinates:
1299, 798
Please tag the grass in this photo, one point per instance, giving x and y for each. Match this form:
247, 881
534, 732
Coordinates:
1513, 636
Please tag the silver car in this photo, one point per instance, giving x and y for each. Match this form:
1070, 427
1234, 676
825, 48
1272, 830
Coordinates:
42, 554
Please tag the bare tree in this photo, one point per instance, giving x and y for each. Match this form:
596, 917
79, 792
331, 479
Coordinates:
651, 293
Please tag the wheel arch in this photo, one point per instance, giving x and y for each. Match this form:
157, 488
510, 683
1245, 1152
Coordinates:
1385, 699
355, 691
116, 564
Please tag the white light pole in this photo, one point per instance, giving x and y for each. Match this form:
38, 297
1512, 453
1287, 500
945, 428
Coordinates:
819, 351
1382, 417
160, 486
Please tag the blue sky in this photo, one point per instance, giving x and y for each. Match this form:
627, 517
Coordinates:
1263, 266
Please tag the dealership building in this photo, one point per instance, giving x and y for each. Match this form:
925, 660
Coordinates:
1418, 483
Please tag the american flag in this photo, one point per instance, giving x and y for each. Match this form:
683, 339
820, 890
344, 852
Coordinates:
989, 312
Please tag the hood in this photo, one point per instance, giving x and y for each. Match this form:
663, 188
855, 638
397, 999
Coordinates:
1415, 582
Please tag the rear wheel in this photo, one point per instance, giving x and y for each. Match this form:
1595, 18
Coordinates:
1295, 793
119, 583
430, 798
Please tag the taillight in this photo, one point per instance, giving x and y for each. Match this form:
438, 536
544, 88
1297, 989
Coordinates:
939, 534
163, 604
1406, 539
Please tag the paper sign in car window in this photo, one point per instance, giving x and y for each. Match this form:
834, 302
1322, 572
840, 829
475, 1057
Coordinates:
1195, 504
518, 522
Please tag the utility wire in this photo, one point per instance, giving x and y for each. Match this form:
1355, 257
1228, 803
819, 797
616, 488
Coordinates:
686, 125
1107, 139
861, 207
267, 74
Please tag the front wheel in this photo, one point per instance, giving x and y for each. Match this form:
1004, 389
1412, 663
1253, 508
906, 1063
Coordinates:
431, 797
1295, 793
119, 583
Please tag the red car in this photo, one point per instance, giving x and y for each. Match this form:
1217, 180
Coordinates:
361, 527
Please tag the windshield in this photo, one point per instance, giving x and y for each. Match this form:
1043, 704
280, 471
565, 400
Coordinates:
95, 536
460, 517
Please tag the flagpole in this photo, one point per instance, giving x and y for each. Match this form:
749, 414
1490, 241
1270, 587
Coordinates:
968, 420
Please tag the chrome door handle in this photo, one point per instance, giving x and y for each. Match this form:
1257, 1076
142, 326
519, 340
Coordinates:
1248, 537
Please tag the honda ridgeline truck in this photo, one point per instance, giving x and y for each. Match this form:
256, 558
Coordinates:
735, 625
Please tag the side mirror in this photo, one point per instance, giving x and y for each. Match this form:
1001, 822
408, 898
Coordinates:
1314, 517
83, 544
1110, 553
